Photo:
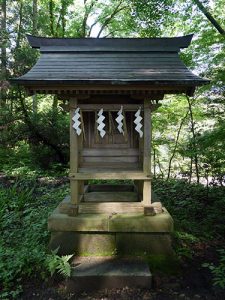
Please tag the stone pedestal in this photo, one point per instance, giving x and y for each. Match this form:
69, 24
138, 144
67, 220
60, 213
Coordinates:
108, 234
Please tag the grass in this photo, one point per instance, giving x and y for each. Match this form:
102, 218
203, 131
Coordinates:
24, 210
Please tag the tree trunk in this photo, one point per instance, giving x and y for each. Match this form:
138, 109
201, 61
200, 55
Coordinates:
34, 17
51, 17
63, 13
3, 72
34, 32
176, 144
159, 165
117, 9
40, 137
210, 17
190, 175
34, 104
18, 40
154, 162
194, 145
3, 40
55, 105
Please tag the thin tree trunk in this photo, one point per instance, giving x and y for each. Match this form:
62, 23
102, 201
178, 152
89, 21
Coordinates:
34, 104
34, 17
34, 32
194, 145
18, 40
51, 17
110, 18
63, 13
210, 17
190, 176
38, 135
154, 162
160, 169
55, 104
3, 40
87, 12
176, 144
3, 72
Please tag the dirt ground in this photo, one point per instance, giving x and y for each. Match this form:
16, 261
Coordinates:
192, 282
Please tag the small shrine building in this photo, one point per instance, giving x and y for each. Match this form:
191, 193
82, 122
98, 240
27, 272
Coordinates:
110, 87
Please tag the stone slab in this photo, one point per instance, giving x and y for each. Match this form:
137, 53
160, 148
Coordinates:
144, 243
139, 223
130, 222
83, 243
110, 243
88, 222
92, 273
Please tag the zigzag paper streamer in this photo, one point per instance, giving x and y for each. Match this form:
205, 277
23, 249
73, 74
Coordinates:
77, 121
137, 121
101, 125
119, 120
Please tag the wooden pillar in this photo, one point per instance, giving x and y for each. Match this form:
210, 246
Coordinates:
74, 158
147, 153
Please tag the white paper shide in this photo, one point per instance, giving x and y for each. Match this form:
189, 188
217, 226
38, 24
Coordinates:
101, 124
138, 123
119, 120
77, 121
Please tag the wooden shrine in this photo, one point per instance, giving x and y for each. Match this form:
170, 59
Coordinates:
110, 87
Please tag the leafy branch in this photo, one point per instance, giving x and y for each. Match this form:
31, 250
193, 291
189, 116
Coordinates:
210, 17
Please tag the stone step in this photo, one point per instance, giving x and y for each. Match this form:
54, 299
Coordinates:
95, 273
110, 207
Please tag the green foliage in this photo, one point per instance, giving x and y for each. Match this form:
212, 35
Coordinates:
59, 264
183, 242
47, 138
218, 271
24, 209
197, 210
37, 146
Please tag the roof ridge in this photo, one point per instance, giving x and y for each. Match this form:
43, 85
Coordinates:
114, 44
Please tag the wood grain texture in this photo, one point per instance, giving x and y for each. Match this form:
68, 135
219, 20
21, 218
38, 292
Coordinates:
122, 175
147, 138
108, 208
74, 158
146, 193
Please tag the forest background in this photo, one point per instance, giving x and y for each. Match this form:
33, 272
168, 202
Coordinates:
188, 132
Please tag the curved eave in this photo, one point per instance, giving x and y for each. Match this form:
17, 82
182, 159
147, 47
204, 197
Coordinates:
112, 44
147, 82
142, 89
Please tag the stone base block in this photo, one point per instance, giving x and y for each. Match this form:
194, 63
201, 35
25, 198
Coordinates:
81, 243
111, 243
107, 234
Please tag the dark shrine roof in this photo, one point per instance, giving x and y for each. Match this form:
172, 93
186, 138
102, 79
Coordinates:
110, 61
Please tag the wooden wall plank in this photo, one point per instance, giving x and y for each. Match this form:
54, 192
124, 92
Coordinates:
108, 152
109, 175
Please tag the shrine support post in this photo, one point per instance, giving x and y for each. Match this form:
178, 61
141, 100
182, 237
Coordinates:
74, 159
147, 153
